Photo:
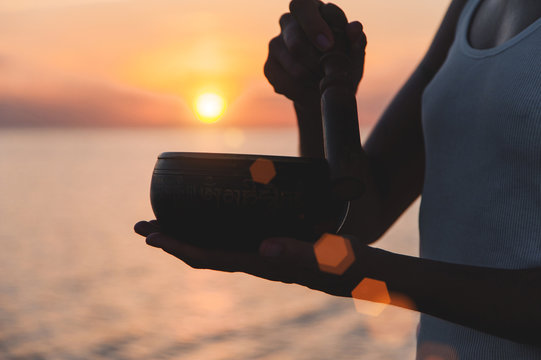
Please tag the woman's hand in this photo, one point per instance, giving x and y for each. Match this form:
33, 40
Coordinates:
279, 259
292, 66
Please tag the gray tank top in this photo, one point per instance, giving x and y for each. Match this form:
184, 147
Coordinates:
481, 200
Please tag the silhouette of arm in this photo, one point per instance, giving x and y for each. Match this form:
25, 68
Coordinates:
500, 302
395, 147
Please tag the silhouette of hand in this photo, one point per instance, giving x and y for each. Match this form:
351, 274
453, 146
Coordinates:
279, 259
292, 66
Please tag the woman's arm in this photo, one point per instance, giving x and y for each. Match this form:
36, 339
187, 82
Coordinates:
395, 147
500, 302
310, 129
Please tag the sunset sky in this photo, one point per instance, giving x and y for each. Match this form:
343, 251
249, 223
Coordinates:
140, 62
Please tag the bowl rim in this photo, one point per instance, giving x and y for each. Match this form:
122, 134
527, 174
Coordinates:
173, 155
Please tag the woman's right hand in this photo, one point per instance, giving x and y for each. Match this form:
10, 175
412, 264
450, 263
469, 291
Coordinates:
292, 66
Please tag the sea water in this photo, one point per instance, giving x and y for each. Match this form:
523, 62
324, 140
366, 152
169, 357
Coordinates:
77, 283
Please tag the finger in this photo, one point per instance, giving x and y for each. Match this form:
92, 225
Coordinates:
279, 51
200, 258
253, 264
335, 17
297, 46
193, 256
306, 12
283, 83
157, 239
354, 30
285, 20
356, 35
358, 48
144, 228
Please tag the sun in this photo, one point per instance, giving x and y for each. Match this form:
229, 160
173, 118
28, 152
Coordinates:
209, 107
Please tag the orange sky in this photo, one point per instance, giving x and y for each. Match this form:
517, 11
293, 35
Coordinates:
140, 62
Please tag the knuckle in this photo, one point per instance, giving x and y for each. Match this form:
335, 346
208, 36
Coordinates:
364, 39
293, 5
283, 89
279, 88
267, 70
274, 44
297, 47
357, 24
285, 19
298, 5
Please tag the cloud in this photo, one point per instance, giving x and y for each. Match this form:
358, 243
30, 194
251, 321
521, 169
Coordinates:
31, 95
4, 61
89, 104
111, 111
30, 5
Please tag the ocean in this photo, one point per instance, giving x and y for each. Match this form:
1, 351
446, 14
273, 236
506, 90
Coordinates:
77, 283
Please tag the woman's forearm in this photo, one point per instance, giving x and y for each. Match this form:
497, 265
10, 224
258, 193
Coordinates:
395, 147
500, 302
310, 129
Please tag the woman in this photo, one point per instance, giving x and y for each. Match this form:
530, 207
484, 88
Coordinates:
465, 132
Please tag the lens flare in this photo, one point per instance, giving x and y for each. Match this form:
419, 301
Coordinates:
209, 107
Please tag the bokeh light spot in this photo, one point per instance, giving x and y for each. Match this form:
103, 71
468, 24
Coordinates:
395, 326
371, 297
262, 171
402, 301
334, 254
369, 308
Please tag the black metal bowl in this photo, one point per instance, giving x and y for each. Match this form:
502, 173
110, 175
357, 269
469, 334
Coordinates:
233, 202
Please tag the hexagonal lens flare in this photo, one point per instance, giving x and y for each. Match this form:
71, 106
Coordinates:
334, 254
394, 326
262, 171
371, 297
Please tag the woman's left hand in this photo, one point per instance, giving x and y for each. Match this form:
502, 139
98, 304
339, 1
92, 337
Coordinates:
279, 259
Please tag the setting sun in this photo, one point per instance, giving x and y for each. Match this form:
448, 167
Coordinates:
209, 107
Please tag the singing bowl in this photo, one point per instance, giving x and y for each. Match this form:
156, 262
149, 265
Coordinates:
234, 201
